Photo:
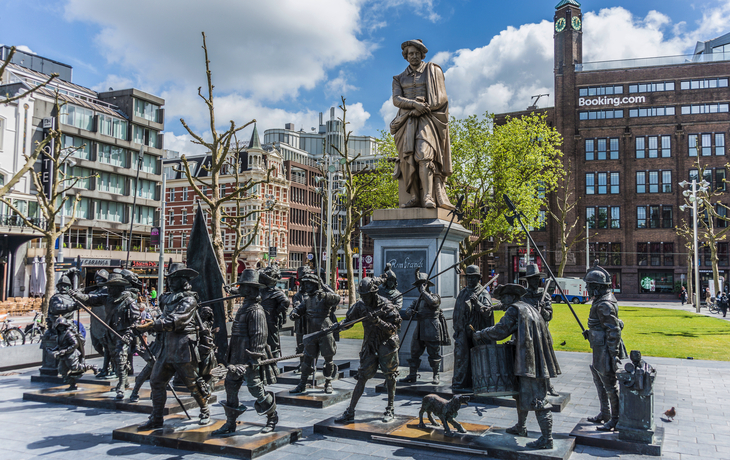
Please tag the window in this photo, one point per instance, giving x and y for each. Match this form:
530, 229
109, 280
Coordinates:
706, 147
115, 156
83, 209
172, 195
704, 84
600, 114
651, 112
651, 87
77, 116
692, 140
640, 147
2, 132
722, 215
144, 215
147, 189
602, 149
653, 181
601, 90
83, 174
142, 135
111, 183
642, 254
640, 181
147, 110
149, 162
654, 216
185, 194
722, 254
694, 109
80, 147
171, 217
720, 179
719, 144
667, 181
110, 211
602, 183
184, 217
603, 217
114, 127
653, 147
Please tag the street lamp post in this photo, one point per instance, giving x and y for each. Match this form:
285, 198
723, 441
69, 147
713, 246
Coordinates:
269, 203
692, 197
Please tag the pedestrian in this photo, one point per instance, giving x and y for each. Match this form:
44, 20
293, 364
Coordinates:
683, 295
708, 297
153, 297
722, 302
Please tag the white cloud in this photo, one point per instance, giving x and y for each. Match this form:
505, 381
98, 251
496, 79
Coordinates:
182, 144
424, 8
113, 81
356, 117
339, 85
387, 112
441, 58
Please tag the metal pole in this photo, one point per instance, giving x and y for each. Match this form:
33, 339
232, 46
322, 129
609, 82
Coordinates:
63, 216
697, 256
588, 246
134, 203
328, 262
161, 263
268, 216
360, 259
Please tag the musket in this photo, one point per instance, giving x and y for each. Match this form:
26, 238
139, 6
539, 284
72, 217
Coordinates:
334, 328
212, 301
220, 371
478, 291
88, 310
454, 212
516, 215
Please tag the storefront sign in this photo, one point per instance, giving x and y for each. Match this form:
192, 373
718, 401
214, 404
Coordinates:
648, 284
155, 236
47, 164
614, 101
143, 264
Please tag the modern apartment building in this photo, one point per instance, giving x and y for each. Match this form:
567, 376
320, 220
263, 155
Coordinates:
632, 131
118, 137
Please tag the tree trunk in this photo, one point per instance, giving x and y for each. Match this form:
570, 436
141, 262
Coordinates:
50, 274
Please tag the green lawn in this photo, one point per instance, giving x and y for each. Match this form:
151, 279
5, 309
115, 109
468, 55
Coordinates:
653, 331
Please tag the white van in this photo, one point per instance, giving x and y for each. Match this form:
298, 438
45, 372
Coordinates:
574, 289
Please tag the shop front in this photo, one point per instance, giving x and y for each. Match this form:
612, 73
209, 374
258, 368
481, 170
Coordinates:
518, 262
656, 281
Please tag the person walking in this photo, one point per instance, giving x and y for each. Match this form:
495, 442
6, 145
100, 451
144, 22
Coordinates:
153, 297
708, 297
683, 295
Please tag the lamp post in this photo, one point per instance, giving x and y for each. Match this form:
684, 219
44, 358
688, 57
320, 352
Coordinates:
269, 203
691, 196
68, 162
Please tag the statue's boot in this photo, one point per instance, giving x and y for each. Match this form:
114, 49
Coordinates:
440, 194
611, 424
232, 414
347, 417
267, 407
412, 202
389, 414
202, 401
412, 374
152, 424
545, 441
551, 389
436, 379
426, 175
328, 386
302, 385
605, 414
520, 429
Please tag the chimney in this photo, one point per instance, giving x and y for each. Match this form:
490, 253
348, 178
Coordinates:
289, 126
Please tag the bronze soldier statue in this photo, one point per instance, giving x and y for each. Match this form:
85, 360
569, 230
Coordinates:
317, 308
123, 316
540, 300
473, 309
380, 345
604, 335
177, 330
99, 334
70, 353
275, 303
248, 347
61, 304
388, 288
534, 360
300, 324
431, 331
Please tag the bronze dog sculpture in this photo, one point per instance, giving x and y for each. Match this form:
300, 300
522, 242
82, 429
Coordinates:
445, 410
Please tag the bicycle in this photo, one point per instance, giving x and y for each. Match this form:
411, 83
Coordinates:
35, 330
10, 336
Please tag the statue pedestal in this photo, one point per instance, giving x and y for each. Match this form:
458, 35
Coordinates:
409, 239
50, 364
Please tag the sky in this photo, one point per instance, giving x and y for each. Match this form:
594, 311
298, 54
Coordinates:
284, 61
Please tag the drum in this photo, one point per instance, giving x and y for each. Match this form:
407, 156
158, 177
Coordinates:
492, 368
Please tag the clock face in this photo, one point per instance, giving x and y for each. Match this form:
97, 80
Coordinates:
575, 22
560, 25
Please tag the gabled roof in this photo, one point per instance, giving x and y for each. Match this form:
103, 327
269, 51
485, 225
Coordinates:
567, 2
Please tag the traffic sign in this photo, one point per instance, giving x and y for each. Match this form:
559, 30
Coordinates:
310, 256
272, 251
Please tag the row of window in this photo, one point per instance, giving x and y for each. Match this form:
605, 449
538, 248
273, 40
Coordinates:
652, 181
651, 87
720, 107
83, 118
655, 254
641, 112
706, 144
602, 183
109, 154
609, 217
110, 211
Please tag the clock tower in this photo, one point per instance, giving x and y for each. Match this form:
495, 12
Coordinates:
568, 39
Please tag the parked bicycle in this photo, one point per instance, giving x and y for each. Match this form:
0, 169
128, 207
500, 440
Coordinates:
10, 335
35, 330
713, 306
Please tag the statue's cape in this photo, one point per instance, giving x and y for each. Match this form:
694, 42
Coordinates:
209, 283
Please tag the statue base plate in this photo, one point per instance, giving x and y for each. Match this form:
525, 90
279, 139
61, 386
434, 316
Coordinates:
291, 378
181, 433
586, 434
87, 379
99, 397
315, 398
342, 364
481, 440
494, 399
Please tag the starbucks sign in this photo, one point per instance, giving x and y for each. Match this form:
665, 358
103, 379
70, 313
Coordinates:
648, 283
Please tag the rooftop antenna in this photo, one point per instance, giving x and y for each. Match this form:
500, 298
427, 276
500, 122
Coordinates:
536, 98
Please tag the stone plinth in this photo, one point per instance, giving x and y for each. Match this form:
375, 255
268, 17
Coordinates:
315, 398
586, 434
409, 239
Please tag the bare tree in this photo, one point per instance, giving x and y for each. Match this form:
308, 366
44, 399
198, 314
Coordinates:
53, 203
567, 218
29, 160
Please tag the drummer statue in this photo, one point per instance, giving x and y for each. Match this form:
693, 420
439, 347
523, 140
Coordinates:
473, 311
388, 288
431, 330
421, 131
534, 360
539, 299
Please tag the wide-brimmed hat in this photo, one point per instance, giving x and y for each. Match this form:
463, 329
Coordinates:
249, 277
533, 270
310, 277
473, 270
115, 279
422, 278
61, 321
101, 273
418, 43
367, 285
510, 289
269, 275
180, 270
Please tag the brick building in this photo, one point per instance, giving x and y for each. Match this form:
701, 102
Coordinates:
632, 130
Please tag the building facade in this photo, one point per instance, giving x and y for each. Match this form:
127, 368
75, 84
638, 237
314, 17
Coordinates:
118, 142
632, 131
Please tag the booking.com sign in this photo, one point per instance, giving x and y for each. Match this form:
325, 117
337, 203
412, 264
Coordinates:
607, 100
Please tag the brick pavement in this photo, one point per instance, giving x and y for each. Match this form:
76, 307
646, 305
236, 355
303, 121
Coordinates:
698, 390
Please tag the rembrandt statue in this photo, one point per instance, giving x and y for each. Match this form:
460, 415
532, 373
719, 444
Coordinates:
421, 131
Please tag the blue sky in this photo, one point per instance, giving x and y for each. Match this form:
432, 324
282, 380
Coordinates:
282, 61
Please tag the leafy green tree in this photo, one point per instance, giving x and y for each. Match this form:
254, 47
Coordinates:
519, 158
